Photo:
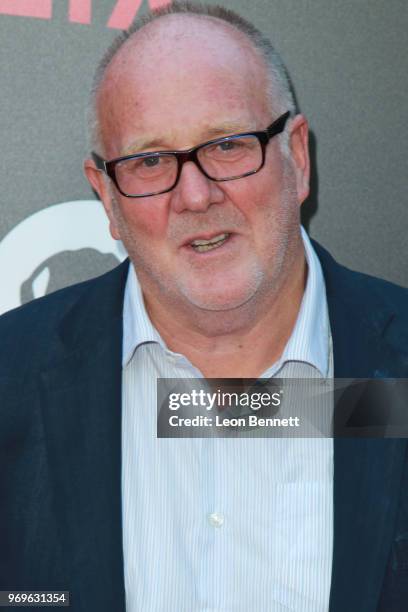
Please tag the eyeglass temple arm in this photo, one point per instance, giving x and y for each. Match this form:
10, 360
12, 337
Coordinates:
278, 126
99, 161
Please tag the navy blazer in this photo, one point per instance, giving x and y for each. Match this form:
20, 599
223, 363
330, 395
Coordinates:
60, 445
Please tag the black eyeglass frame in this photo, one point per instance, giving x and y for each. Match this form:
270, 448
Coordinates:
264, 136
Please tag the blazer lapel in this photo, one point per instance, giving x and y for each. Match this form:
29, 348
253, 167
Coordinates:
82, 422
367, 472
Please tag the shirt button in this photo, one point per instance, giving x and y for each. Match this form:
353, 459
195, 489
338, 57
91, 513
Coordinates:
216, 519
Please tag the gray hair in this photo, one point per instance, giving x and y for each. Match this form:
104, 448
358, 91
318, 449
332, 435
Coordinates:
279, 90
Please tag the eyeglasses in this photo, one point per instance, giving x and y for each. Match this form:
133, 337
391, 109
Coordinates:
223, 159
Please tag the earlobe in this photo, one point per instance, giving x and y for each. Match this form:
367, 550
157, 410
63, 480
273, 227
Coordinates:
113, 228
99, 185
299, 143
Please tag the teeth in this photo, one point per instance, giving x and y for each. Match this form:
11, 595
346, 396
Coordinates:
212, 241
207, 245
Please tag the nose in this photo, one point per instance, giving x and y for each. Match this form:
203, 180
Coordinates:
194, 191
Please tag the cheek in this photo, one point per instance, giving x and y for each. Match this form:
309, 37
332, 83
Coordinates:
146, 219
257, 197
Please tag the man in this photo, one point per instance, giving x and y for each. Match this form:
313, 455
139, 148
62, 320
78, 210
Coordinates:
201, 163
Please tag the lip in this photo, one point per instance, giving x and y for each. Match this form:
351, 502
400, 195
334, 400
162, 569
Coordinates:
205, 236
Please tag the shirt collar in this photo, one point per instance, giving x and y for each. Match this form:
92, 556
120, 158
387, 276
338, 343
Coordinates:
137, 327
309, 341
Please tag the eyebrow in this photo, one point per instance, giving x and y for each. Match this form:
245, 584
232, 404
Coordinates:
139, 145
149, 144
234, 127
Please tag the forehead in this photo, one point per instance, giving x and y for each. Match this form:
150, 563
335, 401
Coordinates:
178, 77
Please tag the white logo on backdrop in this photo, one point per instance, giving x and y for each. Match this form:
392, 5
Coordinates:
54, 247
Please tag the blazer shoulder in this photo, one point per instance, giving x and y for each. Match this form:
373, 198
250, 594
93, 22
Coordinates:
28, 332
381, 304
391, 295
356, 284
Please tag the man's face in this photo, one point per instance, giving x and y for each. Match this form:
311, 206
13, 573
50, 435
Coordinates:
173, 91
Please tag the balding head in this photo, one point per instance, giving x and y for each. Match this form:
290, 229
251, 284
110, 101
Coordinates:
187, 29
166, 66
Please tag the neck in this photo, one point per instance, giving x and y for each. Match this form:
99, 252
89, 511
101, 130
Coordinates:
240, 343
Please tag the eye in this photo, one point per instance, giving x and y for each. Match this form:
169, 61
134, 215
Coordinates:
229, 145
225, 150
150, 162
142, 166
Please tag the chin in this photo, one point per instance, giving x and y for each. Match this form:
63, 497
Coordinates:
222, 292
221, 301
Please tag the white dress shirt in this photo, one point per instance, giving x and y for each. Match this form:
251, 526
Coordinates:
224, 525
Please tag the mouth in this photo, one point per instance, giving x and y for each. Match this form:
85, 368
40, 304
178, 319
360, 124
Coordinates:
200, 245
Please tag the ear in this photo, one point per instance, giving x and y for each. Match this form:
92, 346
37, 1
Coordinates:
99, 183
299, 145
